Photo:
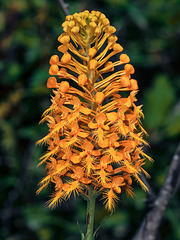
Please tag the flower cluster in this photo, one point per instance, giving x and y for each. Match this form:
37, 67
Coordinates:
95, 133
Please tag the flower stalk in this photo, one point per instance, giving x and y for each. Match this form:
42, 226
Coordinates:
90, 214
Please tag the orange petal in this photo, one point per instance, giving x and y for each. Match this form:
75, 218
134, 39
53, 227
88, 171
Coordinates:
75, 158
83, 134
112, 116
100, 134
96, 153
85, 110
106, 127
103, 143
92, 125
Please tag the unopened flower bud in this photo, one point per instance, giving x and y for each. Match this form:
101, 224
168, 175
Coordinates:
124, 81
66, 58
63, 48
92, 52
124, 58
99, 97
51, 83
107, 64
53, 70
133, 85
64, 86
117, 47
64, 40
82, 79
129, 69
93, 64
54, 59
75, 30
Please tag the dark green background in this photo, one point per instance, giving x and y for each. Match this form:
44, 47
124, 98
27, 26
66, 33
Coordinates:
149, 31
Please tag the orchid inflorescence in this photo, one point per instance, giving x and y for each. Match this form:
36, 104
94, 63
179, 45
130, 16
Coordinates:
95, 133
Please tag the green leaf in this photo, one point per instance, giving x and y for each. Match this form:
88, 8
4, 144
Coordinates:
173, 125
158, 102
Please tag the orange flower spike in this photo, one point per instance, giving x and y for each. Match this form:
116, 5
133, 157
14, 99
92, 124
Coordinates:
95, 138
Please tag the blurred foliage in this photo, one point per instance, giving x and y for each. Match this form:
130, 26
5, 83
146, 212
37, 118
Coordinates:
149, 31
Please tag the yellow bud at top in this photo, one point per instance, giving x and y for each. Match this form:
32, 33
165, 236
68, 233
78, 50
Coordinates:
102, 16
97, 31
110, 29
112, 38
68, 18
71, 24
75, 30
66, 23
117, 47
92, 24
83, 23
64, 40
105, 22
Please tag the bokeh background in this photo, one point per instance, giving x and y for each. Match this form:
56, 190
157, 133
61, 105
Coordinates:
149, 31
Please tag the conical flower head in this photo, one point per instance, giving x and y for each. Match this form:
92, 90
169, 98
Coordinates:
95, 133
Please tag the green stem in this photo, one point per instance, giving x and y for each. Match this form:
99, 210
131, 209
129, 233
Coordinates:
90, 214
